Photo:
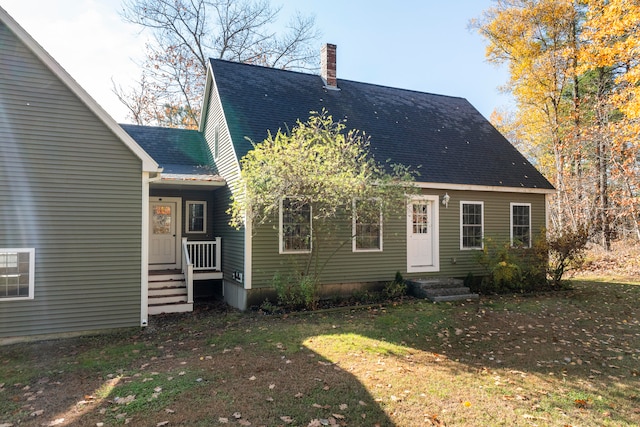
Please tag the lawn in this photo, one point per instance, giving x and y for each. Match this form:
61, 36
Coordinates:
564, 359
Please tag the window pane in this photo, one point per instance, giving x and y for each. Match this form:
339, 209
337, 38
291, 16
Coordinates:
296, 225
161, 219
196, 217
472, 225
15, 278
420, 218
521, 230
367, 225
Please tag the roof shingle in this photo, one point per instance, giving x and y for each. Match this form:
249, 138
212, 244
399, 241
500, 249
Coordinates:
445, 138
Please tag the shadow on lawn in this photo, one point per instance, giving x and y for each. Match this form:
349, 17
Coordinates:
553, 359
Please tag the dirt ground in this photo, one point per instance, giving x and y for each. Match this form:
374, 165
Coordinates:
174, 341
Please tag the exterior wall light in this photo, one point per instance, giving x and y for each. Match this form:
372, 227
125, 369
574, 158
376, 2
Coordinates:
445, 200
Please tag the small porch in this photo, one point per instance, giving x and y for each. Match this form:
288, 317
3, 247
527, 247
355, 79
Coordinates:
171, 290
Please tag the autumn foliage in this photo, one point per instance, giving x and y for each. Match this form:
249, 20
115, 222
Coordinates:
574, 73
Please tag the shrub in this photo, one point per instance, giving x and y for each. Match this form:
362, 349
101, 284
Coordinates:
566, 251
395, 289
511, 269
296, 291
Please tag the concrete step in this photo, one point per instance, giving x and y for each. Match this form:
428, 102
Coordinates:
437, 292
437, 283
461, 297
170, 308
440, 289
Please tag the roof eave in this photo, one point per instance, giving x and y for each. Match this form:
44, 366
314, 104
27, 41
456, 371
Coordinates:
491, 188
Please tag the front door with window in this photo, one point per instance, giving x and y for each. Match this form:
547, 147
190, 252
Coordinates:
422, 235
164, 230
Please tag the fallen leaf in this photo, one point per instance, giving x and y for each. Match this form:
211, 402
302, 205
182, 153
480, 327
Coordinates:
287, 419
223, 420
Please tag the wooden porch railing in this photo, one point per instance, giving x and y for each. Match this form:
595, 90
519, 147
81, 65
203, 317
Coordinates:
205, 255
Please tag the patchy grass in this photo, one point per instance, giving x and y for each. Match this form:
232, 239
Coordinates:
565, 359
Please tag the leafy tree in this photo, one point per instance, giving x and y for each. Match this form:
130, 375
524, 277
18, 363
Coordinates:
186, 33
573, 72
318, 163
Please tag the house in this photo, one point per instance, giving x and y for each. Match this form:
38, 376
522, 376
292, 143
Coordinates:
103, 225
473, 183
73, 202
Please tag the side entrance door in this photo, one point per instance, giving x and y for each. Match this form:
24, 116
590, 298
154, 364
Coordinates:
422, 234
164, 232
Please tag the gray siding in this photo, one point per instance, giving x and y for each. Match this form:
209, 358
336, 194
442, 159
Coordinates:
227, 165
346, 266
70, 189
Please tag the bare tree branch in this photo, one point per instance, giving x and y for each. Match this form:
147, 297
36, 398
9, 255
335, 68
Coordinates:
187, 33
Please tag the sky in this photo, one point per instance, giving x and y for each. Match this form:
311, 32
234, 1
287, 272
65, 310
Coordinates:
422, 45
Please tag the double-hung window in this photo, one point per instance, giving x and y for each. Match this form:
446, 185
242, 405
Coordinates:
521, 224
367, 225
196, 216
17, 271
295, 225
471, 225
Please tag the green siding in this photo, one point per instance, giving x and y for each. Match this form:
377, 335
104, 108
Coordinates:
232, 240
346, 266
72, 190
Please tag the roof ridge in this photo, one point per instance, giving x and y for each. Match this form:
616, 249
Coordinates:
339, 79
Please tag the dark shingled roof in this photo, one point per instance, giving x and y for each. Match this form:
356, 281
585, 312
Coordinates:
177, 151
445, 136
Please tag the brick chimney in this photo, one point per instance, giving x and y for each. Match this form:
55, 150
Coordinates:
328, 65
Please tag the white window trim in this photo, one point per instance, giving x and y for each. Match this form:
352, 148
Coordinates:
281, 248
216, 142
32, 271
353, 229
511, 206
470, 202
188, 218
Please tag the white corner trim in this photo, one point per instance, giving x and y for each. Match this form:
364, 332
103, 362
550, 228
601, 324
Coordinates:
248, 249
144, 263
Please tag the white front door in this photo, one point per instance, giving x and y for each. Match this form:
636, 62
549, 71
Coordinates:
164, 233
422, 234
